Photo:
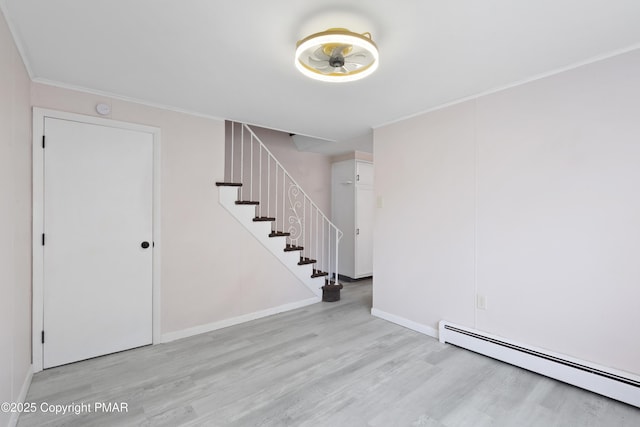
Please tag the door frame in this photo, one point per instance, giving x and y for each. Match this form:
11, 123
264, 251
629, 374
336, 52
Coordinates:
37, 309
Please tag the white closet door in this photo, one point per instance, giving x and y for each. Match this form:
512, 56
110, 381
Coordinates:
364, 173
364, 235
98, 184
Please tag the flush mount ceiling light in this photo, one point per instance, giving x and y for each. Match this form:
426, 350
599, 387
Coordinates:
337, 55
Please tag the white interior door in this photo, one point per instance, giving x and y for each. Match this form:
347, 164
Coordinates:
97, 293
364, 237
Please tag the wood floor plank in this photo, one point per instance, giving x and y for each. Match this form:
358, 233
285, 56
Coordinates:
328, 364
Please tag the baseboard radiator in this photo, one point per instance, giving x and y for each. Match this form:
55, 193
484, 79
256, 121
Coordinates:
608, 382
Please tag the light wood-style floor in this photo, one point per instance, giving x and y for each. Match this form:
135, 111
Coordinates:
330, 364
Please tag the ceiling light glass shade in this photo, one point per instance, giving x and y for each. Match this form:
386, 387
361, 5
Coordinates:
337, 55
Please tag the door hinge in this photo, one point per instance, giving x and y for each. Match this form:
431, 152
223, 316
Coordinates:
42, 141
357, 231
42, 337
358, 177
42, 239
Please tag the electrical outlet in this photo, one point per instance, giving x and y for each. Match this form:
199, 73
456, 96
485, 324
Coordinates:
481, 302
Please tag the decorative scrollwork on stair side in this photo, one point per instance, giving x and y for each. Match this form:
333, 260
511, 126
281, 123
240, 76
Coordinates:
294, 219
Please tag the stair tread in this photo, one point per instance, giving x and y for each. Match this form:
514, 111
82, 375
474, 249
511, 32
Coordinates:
291, 248
279, 234
263, 219
228, 184
305, 261
317, 273
246, 202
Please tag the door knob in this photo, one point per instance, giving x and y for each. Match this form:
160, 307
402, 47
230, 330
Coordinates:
144, 245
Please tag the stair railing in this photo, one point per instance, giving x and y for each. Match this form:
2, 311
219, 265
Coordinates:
283, 201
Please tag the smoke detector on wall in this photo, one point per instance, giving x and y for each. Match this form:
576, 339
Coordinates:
103, 109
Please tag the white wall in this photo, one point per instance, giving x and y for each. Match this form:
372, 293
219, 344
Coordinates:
212, 269
528, 196
15, 222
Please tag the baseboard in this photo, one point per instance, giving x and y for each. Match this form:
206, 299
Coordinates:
347, 279
185, 333
13, 421
409, 324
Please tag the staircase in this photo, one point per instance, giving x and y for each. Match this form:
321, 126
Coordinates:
270, 204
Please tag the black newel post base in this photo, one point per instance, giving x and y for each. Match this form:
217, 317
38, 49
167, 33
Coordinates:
331, 292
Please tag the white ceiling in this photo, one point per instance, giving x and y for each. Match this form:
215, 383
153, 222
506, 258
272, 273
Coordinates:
234, 59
